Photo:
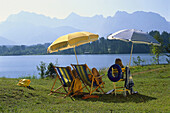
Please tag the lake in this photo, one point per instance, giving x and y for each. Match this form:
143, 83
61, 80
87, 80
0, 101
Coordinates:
19, 66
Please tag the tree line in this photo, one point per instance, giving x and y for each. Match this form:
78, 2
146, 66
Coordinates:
101, 46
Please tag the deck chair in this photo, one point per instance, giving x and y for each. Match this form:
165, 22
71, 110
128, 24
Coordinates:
124, 80
83, 76
66, 77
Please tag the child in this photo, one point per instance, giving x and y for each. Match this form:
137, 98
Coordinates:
119, 62
128, 82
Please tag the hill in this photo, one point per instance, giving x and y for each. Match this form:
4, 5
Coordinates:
31, 28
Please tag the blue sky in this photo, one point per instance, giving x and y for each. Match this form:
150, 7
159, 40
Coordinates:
62, 8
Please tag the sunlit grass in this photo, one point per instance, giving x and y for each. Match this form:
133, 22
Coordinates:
153, 87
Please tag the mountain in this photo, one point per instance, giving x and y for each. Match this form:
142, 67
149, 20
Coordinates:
145, 21
4, 41
32, 18
29, 33
91, 24
31, 28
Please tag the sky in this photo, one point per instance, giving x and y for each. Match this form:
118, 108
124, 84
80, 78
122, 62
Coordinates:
62, 8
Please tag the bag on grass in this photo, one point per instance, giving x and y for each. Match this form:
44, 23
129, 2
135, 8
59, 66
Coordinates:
24, 82
77, 86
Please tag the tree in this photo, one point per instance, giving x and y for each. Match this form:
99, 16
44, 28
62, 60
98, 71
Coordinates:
42, 68
50, 71
138, 61
157, 50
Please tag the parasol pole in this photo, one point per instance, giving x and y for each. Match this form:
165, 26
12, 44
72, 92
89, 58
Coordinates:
131, 54
75, 54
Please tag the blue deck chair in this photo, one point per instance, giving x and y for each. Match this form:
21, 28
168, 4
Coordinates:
116, 75
66, 77
83, 76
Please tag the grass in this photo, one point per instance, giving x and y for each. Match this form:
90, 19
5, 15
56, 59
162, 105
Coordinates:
152, 82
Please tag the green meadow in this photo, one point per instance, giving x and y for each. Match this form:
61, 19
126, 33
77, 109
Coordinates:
152, 83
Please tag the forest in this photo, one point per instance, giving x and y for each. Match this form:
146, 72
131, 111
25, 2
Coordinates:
101, 46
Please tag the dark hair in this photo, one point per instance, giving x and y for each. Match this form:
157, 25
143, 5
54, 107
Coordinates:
119, 62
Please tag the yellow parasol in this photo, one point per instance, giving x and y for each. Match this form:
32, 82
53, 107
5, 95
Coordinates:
71, 41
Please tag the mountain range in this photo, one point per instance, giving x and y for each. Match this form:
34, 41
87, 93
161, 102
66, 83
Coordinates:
26, 28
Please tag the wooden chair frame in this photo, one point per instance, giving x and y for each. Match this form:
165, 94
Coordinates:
120, 88
68, 92
94, 79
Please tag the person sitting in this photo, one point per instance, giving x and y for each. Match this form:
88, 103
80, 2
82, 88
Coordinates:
96, 74
128, 83
77, 84
119, 62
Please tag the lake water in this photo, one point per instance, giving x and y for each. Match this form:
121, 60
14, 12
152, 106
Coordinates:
19, 66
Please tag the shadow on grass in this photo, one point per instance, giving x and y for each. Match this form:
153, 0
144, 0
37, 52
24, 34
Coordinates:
29, 87
119, 98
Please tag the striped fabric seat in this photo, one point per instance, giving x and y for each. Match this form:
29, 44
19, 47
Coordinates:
65, 75
82, 71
